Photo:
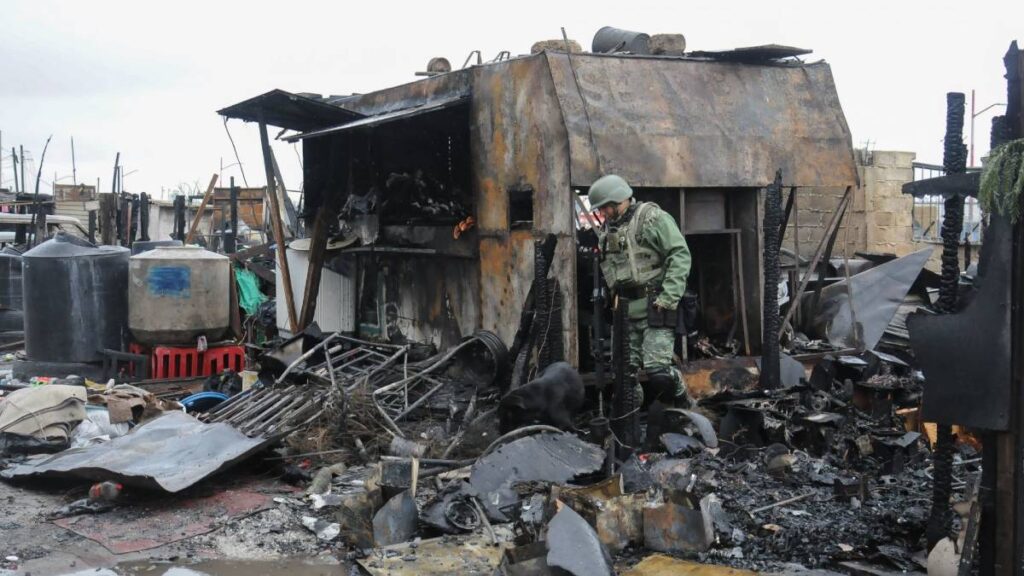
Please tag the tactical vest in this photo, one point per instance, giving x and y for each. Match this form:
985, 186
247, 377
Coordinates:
626, 263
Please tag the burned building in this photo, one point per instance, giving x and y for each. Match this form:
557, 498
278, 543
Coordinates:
444, 184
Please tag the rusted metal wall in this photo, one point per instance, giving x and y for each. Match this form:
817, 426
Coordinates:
431, 299
689, 123
661, 123
519, 141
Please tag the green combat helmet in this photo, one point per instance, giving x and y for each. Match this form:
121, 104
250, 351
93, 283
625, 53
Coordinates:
607, 190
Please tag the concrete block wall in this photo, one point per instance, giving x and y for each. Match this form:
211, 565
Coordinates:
815, 207
880, 218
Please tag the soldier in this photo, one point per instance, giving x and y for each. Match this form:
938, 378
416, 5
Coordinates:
644, 260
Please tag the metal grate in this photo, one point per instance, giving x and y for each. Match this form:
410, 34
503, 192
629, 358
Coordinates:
928, 211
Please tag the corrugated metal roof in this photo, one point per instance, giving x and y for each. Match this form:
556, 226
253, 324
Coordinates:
287, 110
424, 108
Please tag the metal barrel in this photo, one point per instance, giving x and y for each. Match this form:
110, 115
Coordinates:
610, 39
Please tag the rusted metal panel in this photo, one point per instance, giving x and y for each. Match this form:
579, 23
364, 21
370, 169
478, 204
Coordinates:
663, 122
287, 110
404, 114
455, 84
519, 141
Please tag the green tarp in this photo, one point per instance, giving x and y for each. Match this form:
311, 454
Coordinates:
249, 295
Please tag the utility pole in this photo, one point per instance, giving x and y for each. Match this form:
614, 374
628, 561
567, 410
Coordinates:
975, 115
74, 170
14, 167
22, 155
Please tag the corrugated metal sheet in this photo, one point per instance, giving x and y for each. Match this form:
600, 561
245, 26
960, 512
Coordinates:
287, 110
405, 114
335, 304
78, 210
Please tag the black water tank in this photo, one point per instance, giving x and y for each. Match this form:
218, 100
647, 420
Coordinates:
76, 299
609, 39
10, 281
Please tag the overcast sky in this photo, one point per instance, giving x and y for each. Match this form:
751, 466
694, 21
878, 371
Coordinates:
145, 78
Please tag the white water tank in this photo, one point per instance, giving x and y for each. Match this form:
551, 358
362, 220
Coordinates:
178, 293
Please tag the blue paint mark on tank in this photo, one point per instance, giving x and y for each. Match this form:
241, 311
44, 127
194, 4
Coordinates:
170, 281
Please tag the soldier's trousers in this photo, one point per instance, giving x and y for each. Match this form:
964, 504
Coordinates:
652, 349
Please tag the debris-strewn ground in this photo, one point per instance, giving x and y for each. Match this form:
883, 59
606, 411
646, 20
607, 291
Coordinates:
820, 526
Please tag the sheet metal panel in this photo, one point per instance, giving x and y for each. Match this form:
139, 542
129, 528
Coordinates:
287, 110
664, 122
519, 141
425, 108
335, 302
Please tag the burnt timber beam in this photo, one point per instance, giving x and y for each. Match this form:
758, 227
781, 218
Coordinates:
277, 229
202, 208
1010, 472
1002, 493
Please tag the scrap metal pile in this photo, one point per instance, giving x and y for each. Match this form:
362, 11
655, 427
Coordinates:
828, 471
403, 469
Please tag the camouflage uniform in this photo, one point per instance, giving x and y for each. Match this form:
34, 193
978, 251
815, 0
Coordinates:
644, 254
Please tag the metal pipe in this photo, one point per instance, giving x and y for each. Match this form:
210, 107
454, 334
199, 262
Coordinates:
303, 357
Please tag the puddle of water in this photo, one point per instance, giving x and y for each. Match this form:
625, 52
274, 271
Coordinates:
217, 568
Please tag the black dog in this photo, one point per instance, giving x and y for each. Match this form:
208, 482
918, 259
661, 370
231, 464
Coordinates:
552, 398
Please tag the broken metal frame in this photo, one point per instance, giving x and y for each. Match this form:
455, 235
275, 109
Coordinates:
271, 412
275, 411
392, 400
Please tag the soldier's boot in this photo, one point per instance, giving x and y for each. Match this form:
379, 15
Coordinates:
665, 384
655, 426
662, 386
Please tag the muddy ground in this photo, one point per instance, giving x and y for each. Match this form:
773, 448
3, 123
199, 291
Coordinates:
263, 540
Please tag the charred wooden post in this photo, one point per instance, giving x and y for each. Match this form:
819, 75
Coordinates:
1006, 530
955, 162
202, 208
133, 221
179, 218
107, 216
770, 375
144, 217
233, 198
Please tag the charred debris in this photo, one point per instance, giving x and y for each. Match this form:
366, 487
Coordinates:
443, 259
